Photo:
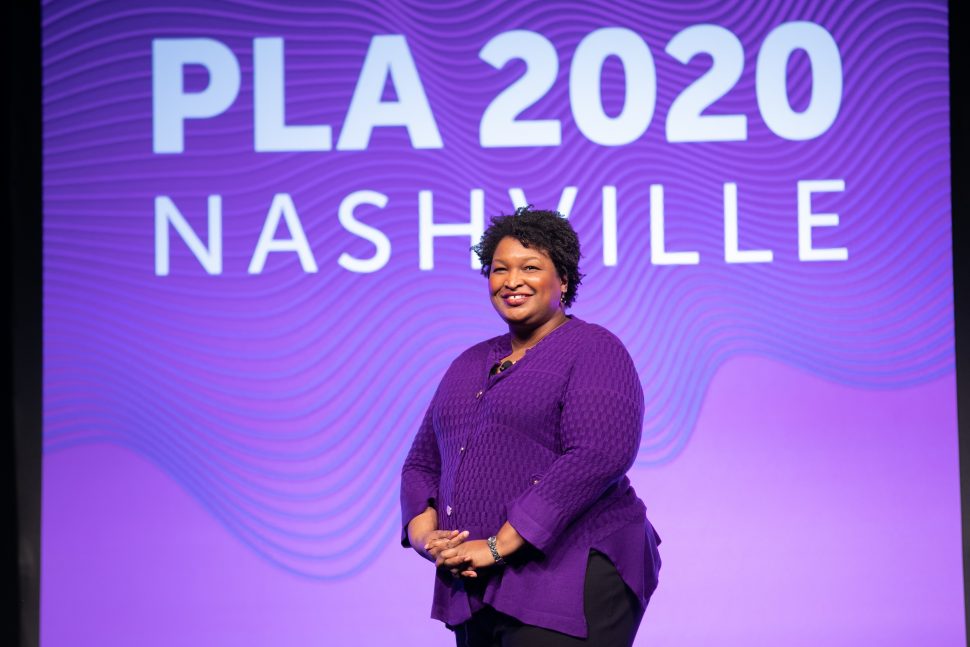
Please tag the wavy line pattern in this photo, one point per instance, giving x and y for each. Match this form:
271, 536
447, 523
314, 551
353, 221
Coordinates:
285, 402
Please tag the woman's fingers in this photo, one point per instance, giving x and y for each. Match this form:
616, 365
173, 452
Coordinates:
454, 539
441, 539
440, 535
452, 559
443, 555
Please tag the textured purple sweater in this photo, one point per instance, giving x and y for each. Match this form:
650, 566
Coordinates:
545, 445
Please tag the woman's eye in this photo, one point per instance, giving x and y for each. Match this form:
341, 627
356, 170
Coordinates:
497, 270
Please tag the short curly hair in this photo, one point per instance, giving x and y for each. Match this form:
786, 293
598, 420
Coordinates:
548, 231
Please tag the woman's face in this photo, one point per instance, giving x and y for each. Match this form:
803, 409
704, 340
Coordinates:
523, 283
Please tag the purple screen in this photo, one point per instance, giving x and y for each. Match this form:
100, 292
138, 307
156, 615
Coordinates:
257, 223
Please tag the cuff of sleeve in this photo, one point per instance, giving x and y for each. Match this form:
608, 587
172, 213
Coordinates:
413, 503
534, 519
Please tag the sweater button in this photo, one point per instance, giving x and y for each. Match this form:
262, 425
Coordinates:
448, 511
478, 395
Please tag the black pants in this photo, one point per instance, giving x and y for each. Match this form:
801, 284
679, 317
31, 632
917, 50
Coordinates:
612, 616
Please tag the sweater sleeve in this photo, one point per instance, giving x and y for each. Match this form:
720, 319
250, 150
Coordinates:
420, 474
601, 423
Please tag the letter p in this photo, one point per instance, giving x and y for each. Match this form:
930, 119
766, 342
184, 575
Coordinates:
171, 105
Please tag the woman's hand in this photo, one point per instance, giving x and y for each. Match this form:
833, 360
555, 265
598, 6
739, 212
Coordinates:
440, 540
464, 558
450, 548
446, 541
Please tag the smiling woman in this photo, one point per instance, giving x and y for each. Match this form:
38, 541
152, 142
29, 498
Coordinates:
515, 486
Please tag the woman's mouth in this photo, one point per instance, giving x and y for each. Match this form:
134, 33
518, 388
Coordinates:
513, 300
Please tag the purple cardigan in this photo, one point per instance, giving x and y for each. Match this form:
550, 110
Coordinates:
544, 445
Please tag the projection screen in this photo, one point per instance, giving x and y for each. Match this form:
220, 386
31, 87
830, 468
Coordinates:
257, 222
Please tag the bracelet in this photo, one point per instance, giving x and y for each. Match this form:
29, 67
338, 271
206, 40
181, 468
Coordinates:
492, 549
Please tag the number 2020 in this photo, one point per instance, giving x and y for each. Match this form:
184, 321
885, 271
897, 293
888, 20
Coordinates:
686, 121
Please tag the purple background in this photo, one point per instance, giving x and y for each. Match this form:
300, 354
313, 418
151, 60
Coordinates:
222, 452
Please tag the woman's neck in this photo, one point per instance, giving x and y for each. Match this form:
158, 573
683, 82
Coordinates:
525, 338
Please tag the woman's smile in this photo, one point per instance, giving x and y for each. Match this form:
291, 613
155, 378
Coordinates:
515, 299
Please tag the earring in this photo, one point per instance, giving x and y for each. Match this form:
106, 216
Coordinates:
562, 298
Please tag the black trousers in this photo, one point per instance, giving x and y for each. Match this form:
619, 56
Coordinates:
612, 616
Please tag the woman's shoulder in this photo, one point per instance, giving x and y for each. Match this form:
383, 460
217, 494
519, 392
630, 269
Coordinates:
598, 350
602, 360
595, 338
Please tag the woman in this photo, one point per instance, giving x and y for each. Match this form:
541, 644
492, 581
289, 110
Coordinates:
515, 485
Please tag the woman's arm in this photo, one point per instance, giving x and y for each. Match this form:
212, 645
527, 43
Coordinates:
419, 482
600, 427
419, 492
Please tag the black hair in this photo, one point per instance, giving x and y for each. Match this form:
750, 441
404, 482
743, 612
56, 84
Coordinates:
548, 231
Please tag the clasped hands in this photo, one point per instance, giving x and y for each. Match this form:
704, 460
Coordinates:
451, 549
